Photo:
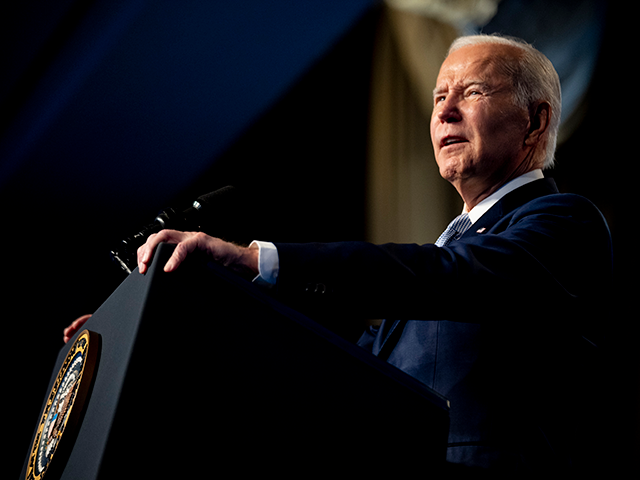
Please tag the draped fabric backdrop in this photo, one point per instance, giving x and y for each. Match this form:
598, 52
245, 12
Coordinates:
407, 201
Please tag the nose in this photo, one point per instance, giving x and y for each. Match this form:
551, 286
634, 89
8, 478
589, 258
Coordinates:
448, 111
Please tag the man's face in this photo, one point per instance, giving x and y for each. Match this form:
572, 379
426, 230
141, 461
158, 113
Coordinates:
476, 128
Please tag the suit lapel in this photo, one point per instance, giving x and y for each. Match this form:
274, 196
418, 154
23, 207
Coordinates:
509, 203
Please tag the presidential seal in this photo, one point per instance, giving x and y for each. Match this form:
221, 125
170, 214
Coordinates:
64, 408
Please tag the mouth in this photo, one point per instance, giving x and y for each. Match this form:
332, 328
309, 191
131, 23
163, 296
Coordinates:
451, 140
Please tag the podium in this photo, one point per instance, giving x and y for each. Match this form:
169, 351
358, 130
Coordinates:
200, 373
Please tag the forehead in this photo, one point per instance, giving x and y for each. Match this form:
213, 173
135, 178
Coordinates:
476, 63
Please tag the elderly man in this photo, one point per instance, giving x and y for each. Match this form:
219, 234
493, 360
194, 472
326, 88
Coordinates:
490, 315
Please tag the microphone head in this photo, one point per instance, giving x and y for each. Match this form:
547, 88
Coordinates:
224, 193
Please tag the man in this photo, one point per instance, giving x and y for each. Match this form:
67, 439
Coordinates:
490, 316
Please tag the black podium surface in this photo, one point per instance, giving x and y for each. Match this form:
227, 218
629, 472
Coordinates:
201, 373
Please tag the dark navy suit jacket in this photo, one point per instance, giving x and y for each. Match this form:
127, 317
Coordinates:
495, 321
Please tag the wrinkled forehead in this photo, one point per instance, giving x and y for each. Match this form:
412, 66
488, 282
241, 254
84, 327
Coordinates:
485, 63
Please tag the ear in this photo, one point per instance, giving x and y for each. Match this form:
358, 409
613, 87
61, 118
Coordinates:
538, 123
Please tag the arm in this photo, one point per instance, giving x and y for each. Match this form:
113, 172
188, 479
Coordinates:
553, 251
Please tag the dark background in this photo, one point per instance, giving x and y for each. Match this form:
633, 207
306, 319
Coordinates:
114, 110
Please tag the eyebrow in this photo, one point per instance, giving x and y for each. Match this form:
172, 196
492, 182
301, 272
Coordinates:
439, 90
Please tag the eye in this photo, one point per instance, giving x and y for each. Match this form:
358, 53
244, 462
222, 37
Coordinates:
439, 98
476, 91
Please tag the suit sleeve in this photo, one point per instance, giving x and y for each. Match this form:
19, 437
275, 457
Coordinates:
553, 250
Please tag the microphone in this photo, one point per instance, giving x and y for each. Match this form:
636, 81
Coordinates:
190, 219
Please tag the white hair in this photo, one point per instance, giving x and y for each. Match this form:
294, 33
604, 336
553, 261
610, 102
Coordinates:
534, 80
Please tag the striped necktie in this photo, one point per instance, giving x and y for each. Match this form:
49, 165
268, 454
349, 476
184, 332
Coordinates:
456, 228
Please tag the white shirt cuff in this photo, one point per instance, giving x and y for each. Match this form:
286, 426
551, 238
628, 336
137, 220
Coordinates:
268, 263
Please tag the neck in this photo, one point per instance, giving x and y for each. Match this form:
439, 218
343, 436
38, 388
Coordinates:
474, 193
475, 189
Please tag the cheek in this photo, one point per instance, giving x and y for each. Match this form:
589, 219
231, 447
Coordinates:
505, 141
506, 127
432, 131
495, 134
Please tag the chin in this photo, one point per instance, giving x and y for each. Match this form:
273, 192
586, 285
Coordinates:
450, 171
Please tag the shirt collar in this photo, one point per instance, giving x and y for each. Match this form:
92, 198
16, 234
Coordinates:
482, 208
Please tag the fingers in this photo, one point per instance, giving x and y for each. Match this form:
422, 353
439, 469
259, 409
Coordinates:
189, 242
186, 243
179, 254
146, 251
76, 325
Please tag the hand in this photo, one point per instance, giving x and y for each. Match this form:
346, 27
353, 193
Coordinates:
72, 329
243, 260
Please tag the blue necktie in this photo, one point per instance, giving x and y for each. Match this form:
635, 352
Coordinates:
456, 228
